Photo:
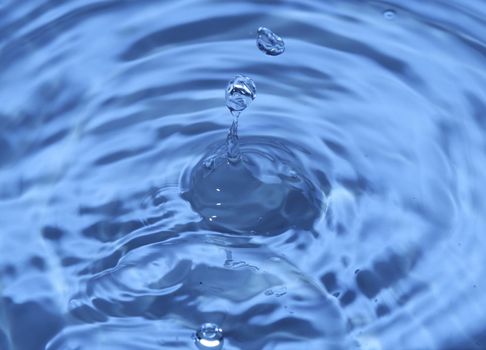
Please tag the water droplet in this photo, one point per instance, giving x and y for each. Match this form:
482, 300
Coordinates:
209, 336
240, 92
389, 14
269, 42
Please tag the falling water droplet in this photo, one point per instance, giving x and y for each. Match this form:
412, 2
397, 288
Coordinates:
209, 336
269, 42
240, 92
389, 14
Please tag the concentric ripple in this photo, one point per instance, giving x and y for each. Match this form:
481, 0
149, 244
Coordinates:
264, 193
248, 291
372, 122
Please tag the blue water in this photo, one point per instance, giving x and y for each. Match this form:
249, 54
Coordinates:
353, 218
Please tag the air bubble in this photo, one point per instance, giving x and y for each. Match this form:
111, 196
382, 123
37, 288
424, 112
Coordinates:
269, 42
209, 336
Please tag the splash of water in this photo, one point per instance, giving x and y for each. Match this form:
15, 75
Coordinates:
240, 92
253, 193
269, 42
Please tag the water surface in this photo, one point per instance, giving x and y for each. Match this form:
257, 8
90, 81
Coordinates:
374, 115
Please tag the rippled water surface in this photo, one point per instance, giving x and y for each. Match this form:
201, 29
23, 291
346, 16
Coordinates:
352, 218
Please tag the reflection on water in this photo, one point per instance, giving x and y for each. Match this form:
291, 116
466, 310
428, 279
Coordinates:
352, 220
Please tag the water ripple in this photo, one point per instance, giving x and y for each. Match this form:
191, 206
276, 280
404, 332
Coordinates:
108, 107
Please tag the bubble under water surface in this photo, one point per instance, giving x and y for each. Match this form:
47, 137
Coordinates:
347, 213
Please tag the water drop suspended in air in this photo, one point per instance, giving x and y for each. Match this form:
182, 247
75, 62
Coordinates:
209, 336
269, 42
389, 14
240, 92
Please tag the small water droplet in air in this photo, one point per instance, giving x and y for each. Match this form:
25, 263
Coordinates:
389, 14
209, 336
269, 42
240, 92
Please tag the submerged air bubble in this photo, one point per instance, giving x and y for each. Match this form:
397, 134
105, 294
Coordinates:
240, 92
269, 42
209, 336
